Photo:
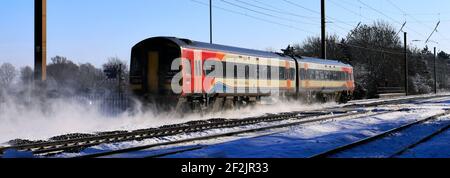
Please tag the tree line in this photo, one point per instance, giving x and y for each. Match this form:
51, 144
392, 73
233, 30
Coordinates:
376, 52
66, 78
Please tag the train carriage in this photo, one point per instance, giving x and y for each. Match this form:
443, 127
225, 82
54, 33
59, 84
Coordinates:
245, 75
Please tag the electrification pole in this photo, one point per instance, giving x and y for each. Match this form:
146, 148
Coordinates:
406, 64
435, 72
40, 40
210, 23
323, 22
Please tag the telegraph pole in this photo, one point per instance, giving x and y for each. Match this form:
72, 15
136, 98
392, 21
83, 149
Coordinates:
40, 40
210, 23
324, 35
435, 72
406, 64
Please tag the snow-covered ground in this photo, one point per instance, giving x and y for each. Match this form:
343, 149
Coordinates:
307, 140
65, 117
293, 142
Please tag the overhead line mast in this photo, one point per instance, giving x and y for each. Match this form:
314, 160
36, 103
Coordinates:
324, 35
40, 40
210, 22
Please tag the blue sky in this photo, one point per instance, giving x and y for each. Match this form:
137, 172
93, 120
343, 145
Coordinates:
93, 30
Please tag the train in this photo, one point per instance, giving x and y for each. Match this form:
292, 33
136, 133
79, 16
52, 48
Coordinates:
213, 76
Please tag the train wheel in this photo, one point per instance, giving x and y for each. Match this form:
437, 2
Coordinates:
345, 97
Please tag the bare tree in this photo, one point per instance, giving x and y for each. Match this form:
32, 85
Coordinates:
89, 77
26, 75
117, 70
7, 75
63, 72
312, 45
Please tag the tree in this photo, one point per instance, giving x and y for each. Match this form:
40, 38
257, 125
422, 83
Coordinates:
115, 66
312, 45
379, 50
7, 75
26, 75
63, 72
117, 70
89, 77
443, 55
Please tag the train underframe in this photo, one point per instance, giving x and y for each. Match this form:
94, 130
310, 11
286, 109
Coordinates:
220, 102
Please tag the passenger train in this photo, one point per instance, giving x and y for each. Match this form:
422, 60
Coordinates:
261, 73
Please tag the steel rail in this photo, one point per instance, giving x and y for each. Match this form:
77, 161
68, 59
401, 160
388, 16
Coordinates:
341, 149
77, 143
394, 101
421, 141
55, 146
209, 137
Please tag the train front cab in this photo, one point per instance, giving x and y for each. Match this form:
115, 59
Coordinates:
151, 74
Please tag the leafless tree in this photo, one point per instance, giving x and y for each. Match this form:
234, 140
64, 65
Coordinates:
7, 75
26, 75
117, 71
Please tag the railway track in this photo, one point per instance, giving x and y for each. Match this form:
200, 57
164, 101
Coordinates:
349, 147
229, 134
196, 126
77, 144
394, 101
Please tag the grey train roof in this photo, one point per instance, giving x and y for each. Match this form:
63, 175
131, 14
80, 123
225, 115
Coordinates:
186, 43
323, 61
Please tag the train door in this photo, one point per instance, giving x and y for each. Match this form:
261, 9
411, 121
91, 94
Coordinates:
153, 71
198, 72
287, 74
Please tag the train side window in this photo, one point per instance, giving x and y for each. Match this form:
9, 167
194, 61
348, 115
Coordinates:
257, 70
282, 73
247, 72
312, 75
224, 65
209, 71
269, 72
302, 74
235, 72
293, 74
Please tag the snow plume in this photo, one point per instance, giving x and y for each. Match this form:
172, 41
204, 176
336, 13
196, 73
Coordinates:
36, 117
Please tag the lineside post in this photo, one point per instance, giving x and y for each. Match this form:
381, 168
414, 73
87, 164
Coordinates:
324, 35
40, 40
435, 72
210, 23
406, 64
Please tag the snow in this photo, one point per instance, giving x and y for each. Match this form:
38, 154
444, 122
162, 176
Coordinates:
437, 147
292, 142
307, 140
388, 146
65, 117
17, 154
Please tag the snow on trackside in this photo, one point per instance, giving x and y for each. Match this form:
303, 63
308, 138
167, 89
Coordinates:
437, 147
69, 117
58, 117
316, 135
40, 121
307, 140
